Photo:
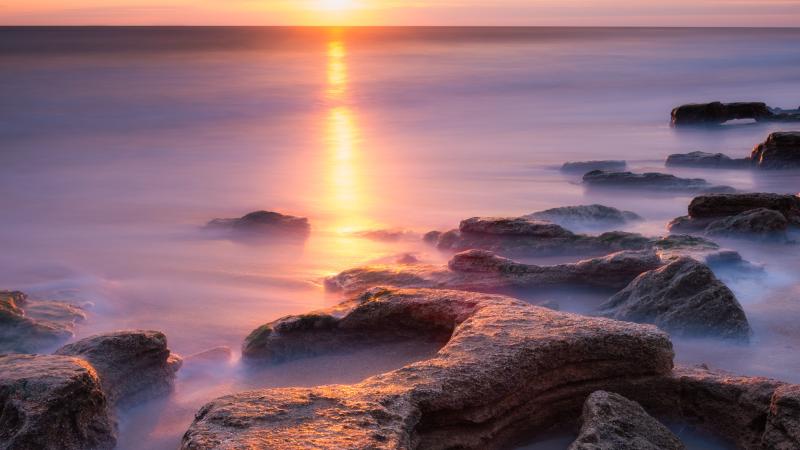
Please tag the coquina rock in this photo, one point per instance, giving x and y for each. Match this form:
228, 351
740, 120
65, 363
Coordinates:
707, 160
484, 271
781, 150
612, 422
684, 298
506, 370
28, 326
653, 181
581, 167
717, 113
505, 366
263, 223
132, 365
586, 216
52, 403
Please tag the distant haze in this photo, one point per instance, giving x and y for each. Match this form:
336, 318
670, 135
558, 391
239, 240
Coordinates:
738, 13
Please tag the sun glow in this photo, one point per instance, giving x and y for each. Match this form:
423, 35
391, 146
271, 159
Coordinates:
336, 5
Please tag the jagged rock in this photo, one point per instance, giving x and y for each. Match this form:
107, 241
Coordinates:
709, 160
781, 150
52, 403
484, 271
132, 365
650, 181
506, 367
515, 236
28, 326
762, 222
684, 298
582, 167
585, 216
612, 422
717, 113
783, 426
263, 223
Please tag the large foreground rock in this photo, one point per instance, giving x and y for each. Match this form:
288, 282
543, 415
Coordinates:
684, 298
717, 113
783, 426
506, 367
612, 422
133, 365
586, 216
52, 402
781, 150
653, 181
263, 223
28, 326
706, 160
581, 167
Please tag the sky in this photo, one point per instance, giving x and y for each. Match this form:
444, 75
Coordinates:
755, 13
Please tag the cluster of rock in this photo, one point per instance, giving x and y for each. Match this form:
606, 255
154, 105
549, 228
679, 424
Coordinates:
28, 325
506, 369
66, 400
717, 113
754, 215
781, 150
655, 181
262, 224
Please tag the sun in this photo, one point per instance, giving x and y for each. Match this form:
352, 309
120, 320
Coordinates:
336, 5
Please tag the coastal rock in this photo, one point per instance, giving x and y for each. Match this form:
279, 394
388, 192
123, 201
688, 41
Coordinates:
506, 368
783, 426
52, 403
586, 216
707, 160
484, 271
612, 422
717, 113
28, 326
581, 167
724, 205
781, 150
684, 298
132, 365
650, 181
518, 236
263, 223
763, 223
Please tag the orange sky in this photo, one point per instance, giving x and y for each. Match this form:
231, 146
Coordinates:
398, 12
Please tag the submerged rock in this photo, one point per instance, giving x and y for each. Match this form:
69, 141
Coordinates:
581, 167
684, 298
586, 216
708, 160
514, 236
781, 150
612, 422
263, 223
506, 367
28, 326
763, 223
52, 403
484, 271
133, 365
717, 113
650, 181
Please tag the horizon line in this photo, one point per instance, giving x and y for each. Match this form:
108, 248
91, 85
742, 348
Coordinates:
388, 26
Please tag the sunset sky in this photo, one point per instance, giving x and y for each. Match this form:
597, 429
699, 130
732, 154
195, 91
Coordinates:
403, 12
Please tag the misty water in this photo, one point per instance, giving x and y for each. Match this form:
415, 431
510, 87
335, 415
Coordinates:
118, 145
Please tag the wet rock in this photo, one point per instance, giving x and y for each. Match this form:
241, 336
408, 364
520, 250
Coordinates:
612, 422
132, 365
717, 113
781, 150
581, 167
263, 223
763, 223
506, 367
586, 216
684, 298
783, 426
707, 160
28, 326
484, 271
724, 205
650, 181
517, 236
52, 403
